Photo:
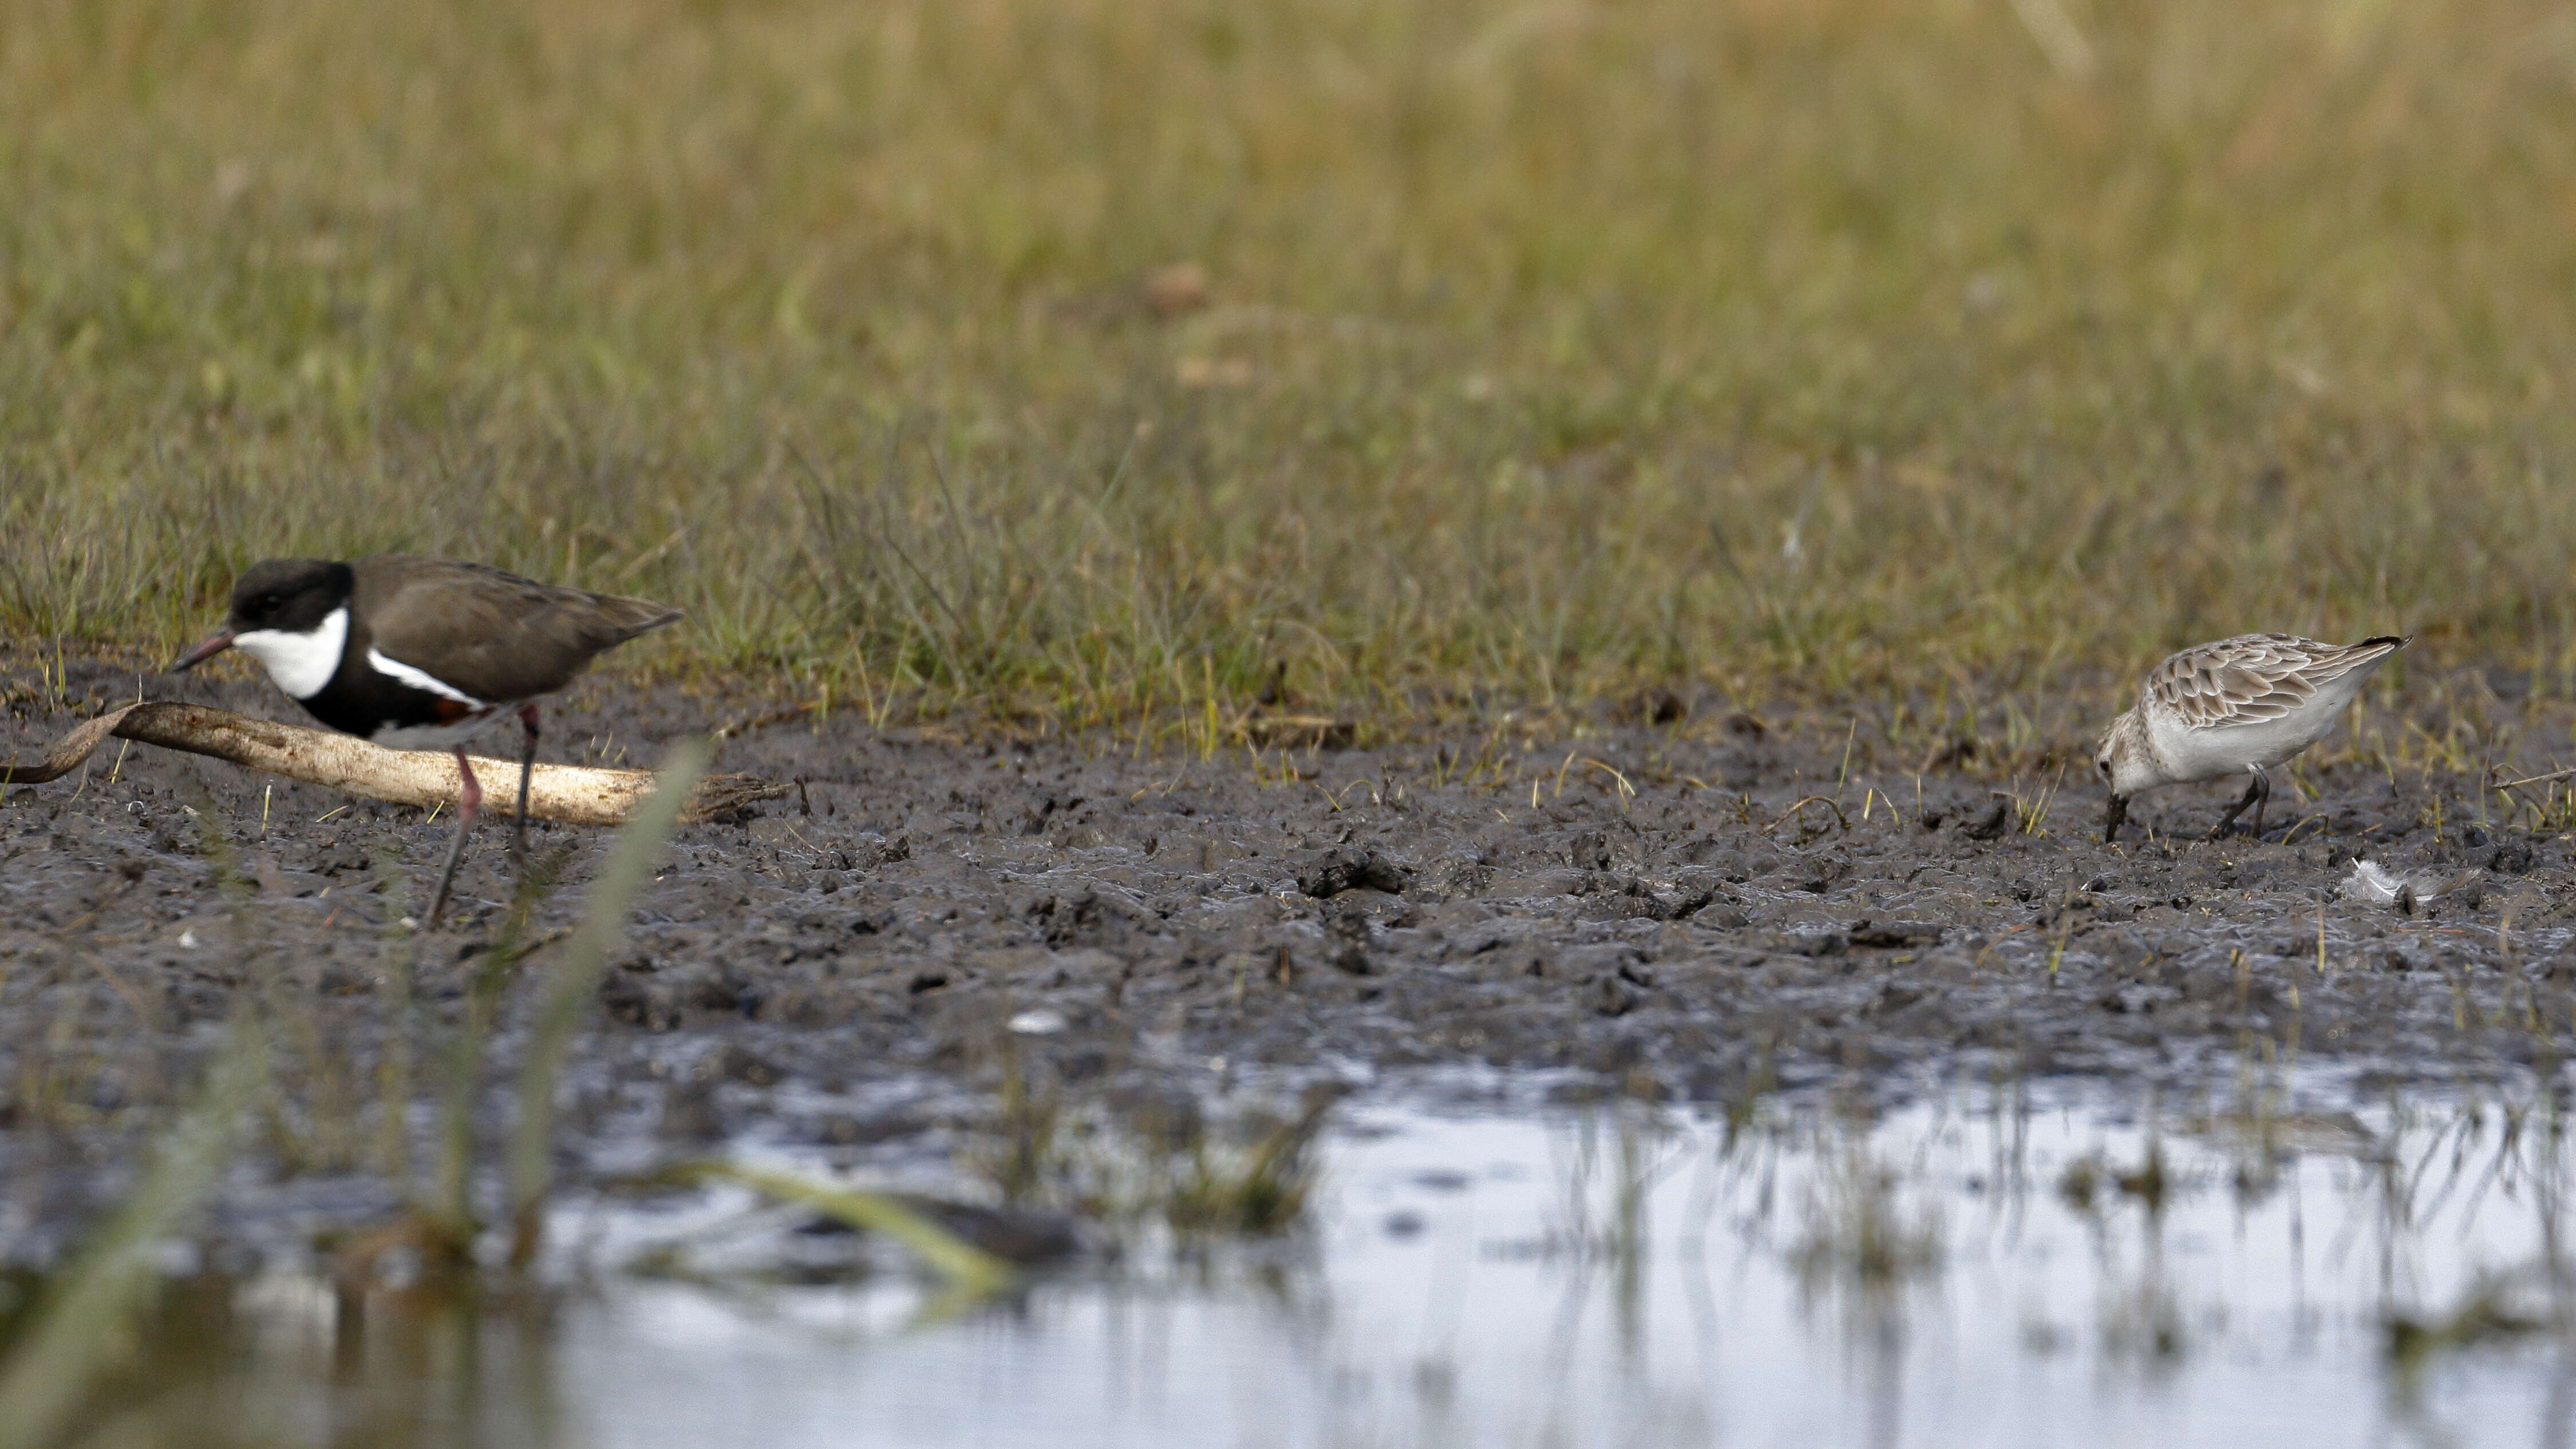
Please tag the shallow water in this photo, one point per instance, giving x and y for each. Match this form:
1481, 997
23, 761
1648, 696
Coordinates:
1481, 1268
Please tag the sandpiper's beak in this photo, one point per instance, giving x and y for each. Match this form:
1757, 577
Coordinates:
221, 641
2119, 815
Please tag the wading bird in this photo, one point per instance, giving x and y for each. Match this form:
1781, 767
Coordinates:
2238, 705
423, 653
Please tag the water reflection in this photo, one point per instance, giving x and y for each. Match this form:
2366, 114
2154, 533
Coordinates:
2002, 1268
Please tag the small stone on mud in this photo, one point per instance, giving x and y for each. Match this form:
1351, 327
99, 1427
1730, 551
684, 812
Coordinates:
1016, 1235
1895, 996
843, 1129
1300, 732
738, 1063
1655, 706
1884, 934
1794, 943
1039, 1021
1992, 826
1338, 870
689, 1112
1612, 996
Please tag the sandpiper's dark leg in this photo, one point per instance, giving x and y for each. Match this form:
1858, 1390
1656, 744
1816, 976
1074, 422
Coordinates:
469, 799
527, 767
2254, 794
2119, 816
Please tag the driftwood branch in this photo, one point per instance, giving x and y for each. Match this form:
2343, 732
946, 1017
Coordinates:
570, 794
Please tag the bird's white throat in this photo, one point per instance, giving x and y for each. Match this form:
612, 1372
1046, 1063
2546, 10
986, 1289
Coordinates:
300, 663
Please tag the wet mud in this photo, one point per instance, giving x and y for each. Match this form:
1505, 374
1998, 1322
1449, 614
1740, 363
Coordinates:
1705, 908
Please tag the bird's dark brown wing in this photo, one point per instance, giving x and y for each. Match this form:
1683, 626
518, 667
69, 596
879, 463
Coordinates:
491, 634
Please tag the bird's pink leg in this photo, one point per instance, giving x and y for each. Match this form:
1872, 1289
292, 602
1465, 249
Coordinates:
469, 800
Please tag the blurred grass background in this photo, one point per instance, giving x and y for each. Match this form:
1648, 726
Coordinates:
1086, 360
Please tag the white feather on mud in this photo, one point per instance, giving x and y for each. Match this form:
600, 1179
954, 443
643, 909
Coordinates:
2378, 885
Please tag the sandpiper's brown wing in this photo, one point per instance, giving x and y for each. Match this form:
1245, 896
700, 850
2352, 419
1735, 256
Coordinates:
2255, 677
488, 633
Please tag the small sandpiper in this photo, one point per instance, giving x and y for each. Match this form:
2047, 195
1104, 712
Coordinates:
423, 653
2238, 705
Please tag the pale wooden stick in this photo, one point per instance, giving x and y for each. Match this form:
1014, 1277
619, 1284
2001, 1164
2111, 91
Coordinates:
570, 794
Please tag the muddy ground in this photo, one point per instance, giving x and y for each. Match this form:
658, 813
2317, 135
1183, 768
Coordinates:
1646, 904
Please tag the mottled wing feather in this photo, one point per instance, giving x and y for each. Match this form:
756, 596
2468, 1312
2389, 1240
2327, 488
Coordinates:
2253, 678
495, 635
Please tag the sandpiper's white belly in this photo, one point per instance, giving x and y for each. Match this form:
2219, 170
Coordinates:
2206, 754
2209, 752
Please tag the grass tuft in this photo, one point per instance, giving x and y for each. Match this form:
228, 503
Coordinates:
1089, 362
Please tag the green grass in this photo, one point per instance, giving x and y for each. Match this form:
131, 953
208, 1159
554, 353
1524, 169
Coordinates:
1833, 348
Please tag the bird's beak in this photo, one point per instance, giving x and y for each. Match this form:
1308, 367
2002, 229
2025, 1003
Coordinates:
2118, 816
213, 646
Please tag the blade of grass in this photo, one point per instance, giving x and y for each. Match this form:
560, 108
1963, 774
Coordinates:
574, 982
468, 1051
968, 1269
79, 1332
